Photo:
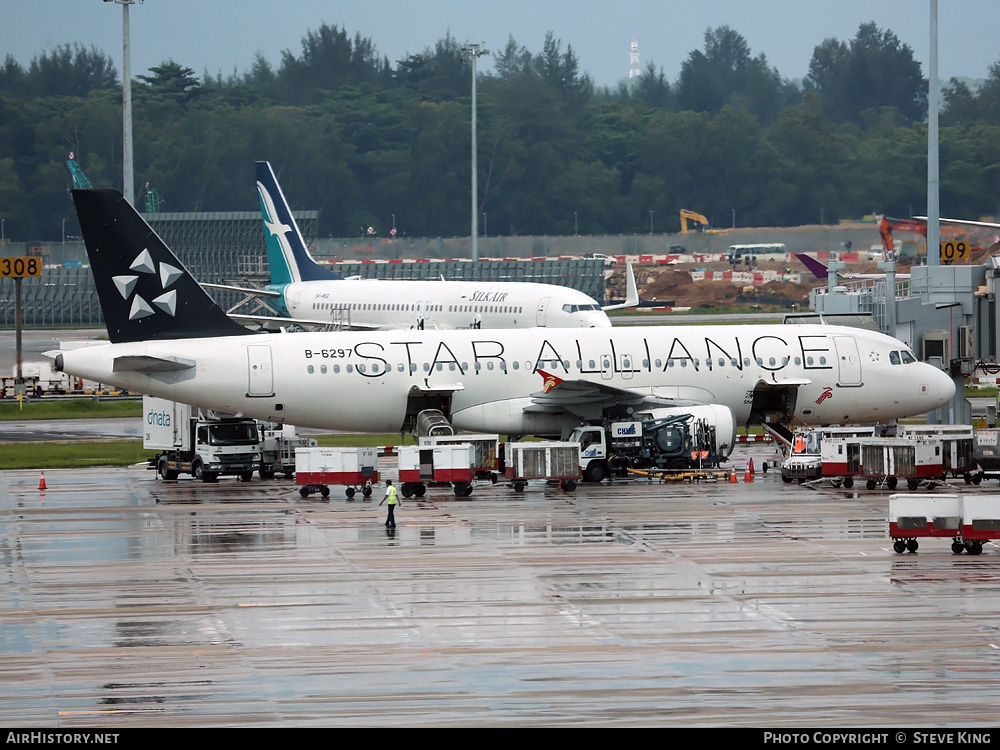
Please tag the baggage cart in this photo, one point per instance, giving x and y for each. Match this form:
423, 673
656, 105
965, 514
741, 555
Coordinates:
420, 465
969, 520
551, 460
318, 468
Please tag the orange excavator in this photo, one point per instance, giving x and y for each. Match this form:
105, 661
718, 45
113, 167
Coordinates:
700, 222
887, 223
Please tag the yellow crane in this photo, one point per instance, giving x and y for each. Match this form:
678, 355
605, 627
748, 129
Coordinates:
699, 221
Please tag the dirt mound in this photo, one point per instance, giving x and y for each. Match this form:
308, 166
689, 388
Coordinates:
676, 287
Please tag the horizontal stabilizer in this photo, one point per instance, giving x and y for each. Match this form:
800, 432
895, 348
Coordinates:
145, 363
242, 290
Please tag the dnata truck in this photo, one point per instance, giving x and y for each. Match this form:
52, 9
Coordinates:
673, 438
201, 443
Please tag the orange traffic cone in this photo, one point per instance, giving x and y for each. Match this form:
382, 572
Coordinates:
750, 468
41, 482
748, 477
732, 478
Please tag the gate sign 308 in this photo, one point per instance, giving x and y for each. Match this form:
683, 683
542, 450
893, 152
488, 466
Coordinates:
955, 250
18, 268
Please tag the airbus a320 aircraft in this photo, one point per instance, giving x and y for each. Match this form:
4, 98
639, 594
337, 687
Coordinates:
169, 339
311, 294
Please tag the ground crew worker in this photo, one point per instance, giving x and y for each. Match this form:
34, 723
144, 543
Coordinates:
390, 495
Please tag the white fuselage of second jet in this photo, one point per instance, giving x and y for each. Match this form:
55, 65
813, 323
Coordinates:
494, 380
389, 304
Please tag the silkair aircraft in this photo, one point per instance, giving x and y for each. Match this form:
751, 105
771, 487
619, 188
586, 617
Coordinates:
309, 294
170, 340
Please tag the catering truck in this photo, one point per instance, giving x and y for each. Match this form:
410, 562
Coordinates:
199, 442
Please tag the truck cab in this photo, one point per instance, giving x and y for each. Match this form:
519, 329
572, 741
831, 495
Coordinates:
204, 444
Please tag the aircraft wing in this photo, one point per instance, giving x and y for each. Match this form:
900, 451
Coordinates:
631, 292
585, 398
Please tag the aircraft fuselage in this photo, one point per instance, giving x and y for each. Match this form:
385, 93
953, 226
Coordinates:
365, 381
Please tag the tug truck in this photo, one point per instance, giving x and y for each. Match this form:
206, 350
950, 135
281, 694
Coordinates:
201, 443
673, 438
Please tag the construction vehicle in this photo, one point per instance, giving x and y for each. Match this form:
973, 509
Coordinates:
699, 222
204, 444
887, 223
674, 438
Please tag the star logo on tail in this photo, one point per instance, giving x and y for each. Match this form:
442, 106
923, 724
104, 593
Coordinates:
126, 285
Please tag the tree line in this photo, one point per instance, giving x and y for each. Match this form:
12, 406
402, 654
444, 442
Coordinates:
372, 144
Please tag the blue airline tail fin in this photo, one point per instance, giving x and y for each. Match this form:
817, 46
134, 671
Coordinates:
287, 256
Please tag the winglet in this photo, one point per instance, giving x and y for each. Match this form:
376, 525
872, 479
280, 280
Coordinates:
287, 256
818, 269
631, 292
145, 291
549, 381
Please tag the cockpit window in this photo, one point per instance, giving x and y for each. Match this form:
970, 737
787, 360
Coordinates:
894, 358
580, 308
907, 357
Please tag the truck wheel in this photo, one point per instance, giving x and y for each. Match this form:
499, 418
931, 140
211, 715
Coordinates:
848, 482
304, 491
246, 476
871, 483
324, 492
198, 471
265, 473
891, 482
407, 489
367, 491
912, 484
568, 485
786, 480
596, 471
420, 489
164, 470
460, 489
518, 486
350, 492
679, 464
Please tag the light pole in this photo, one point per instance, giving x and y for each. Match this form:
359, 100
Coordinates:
576, 226
485, 232
651, 223
128, 190
475, 51
734, 217
3, 236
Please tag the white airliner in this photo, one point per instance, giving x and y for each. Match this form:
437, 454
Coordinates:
169, 339
308, 293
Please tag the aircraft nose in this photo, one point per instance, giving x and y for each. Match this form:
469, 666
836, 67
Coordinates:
941, 387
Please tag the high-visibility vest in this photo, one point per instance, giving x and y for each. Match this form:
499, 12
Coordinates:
392, 495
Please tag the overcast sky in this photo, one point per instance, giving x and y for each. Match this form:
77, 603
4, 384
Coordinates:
221, 36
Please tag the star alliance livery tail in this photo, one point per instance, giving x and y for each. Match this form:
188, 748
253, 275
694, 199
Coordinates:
145, 291
287, 256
